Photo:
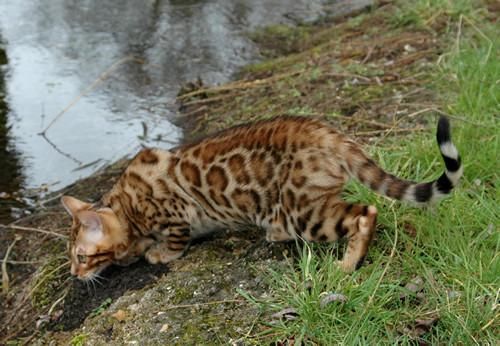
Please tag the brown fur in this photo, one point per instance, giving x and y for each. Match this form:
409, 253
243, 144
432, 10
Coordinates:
284, 175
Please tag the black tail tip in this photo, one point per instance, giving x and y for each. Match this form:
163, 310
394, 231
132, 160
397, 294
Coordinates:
443, 130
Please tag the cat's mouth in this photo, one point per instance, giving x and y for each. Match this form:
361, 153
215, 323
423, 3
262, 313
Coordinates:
93, 275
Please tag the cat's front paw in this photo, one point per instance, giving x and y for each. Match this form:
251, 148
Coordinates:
159, 253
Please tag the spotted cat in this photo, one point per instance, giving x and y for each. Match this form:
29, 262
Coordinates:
284, 175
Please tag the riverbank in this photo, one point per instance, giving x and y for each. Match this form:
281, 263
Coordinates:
431, 275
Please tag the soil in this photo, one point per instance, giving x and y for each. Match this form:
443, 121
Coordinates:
83, 299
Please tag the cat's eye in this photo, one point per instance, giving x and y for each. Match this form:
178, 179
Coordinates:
82, 258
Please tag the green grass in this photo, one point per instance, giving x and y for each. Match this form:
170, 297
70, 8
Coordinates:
455, 246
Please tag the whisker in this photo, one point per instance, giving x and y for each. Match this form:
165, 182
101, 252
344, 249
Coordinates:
97, 279
87, 286
101, 277
91, 280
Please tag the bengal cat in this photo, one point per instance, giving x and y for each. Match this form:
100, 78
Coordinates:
284, 175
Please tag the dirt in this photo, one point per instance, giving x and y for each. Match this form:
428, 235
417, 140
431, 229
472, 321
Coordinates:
84, 298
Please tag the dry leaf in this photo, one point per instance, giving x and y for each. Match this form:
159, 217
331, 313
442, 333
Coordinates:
332, 297
164, 328
414, 287
410, 229
419, 328
453, 294
426, 323
423, 326
120, 315
288, 342
287, 314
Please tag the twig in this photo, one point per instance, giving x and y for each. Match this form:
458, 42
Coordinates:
376, 132
91, 87
47, 200
63, 153
410, 58
87, 165
19, 262
207, 100
193, 112
348, 75
31, 229
368, 55
352, 119
5, 274
183, 306
497, 316
57, 302
239, 85
420, 111
433, 109
368, 122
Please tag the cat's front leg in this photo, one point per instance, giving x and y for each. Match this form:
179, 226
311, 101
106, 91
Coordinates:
136, 250
176, 243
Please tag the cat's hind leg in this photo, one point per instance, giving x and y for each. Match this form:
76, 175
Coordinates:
359, 236
336, 219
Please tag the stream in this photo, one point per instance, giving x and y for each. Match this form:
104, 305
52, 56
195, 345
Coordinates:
108, 73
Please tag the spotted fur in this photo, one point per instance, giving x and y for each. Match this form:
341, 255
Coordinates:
284, 175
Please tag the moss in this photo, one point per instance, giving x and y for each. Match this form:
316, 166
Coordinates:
78, 340
182, 294
280, 39
46, 285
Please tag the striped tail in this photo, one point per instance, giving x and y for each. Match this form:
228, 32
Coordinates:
387, 184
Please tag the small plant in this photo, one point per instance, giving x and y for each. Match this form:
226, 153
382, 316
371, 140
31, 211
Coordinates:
100, 309
78, 340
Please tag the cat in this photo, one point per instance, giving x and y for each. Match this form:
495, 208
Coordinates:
284, 175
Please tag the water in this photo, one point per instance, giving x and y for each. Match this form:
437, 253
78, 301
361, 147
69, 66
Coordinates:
52, 51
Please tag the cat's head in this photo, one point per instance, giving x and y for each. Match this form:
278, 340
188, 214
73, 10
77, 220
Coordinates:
96, 239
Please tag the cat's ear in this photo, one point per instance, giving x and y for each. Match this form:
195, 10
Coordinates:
93, 225
73, 205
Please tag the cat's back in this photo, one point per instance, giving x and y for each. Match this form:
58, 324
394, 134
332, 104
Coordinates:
286, 133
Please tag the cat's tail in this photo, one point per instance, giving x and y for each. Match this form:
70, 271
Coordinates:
371, 175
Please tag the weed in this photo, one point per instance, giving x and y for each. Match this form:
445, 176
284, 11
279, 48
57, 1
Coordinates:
78, 340
101, 308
